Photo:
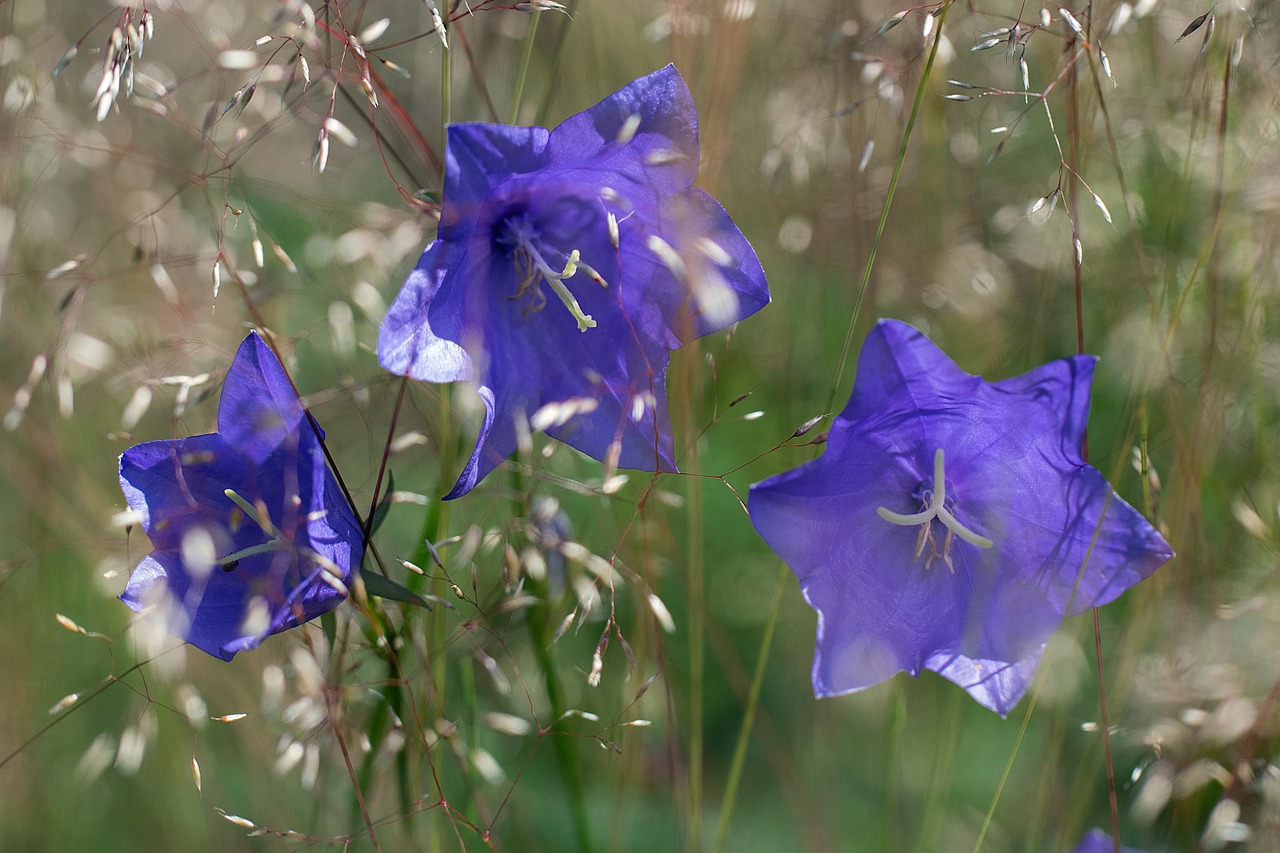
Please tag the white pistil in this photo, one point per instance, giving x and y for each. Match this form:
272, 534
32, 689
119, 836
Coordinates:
257, 513
556, 279
277, 544
277, 541
936, 509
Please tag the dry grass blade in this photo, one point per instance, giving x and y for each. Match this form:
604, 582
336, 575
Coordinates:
1208, 34
1106, 214
892, 22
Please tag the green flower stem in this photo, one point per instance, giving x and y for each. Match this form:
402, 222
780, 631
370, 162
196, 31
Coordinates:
557, 57
541, 640
563, 744
470, 732
437, 516
895, 725
888, 201
695, 570
749, 715
390, 707
436, 520
935, 807
783, 572
523, 70
1008, 765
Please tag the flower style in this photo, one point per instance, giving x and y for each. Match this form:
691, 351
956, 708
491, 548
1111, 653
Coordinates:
1097, 841
568, 263
951, 523
251, 534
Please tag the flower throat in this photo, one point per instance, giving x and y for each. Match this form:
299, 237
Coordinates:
532, 268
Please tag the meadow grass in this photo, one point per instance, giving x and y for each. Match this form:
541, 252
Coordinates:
1124, 207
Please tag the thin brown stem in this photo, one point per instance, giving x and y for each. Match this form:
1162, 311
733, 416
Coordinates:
355, 783
1073, 191
382, 466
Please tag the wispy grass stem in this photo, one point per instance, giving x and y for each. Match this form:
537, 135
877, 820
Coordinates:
749, 714
522, 71
865, 281
695, 569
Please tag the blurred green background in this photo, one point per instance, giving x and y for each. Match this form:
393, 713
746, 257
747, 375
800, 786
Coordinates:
109, 235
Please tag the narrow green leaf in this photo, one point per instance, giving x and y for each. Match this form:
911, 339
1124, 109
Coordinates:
384, 587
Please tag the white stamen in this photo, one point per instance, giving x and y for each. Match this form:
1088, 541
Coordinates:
537, 265
613, 230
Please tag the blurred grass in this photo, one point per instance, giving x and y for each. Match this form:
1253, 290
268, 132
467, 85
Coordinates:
1185, 325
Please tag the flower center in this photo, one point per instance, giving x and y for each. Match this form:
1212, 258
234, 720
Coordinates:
277, 540
533, 268
935, 507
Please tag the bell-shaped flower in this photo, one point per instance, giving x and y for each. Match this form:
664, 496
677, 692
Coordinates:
567, 265
252, 535
951, 523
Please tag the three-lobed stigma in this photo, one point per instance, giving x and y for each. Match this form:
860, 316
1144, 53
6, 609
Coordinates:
936, 508
532, 266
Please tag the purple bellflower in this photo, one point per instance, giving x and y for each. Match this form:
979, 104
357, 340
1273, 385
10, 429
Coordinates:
252, 535
567, 265
951, 523
1097, 841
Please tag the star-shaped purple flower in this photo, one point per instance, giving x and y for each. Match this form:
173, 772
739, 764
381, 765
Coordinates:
567, 265
252, 535
951, 523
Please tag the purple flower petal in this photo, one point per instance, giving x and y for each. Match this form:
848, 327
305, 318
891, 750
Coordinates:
208, 612
1097, 841
223, 577
582, 356
646, 132
993, 684
479, 159
170, 483
409, 343
726, 281
1035, 533
259, 408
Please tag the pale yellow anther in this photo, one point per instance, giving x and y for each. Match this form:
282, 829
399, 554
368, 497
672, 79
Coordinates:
537, 265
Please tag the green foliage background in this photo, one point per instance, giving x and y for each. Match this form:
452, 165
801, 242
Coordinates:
1178, 297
